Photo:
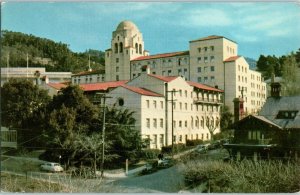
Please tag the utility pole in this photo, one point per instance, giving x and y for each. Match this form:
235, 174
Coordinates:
172, 116
104, 97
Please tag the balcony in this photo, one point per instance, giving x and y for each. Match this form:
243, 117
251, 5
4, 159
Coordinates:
200, 100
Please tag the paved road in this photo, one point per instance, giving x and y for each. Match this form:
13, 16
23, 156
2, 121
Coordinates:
165, 180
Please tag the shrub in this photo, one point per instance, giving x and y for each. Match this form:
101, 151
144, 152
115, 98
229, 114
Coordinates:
150, 153
177, 148
245, 176
194, 142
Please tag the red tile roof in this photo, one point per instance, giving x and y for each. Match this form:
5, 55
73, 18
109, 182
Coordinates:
163, 78
89, 72
202, 86
57, 86
141, 91
232, 58
164, 55
101, 86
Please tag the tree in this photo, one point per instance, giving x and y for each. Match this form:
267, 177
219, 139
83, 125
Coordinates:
291, 76
212, 124
126, 140
226, 118
22, 105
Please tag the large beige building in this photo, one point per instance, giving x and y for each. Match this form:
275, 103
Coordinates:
195, 111
211, 60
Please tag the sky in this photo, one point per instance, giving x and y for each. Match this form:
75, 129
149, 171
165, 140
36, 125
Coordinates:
258, 27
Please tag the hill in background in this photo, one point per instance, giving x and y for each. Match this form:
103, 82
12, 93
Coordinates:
46, 53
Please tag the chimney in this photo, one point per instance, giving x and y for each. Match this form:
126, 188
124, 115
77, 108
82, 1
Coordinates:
275, 90
238, 109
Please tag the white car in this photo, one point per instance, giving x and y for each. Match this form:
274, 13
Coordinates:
53, 167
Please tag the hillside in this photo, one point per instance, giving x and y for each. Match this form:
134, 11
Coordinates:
45, 53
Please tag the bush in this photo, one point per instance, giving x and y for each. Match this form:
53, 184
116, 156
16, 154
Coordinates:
177, 148
150, 153
194, 142
245, 176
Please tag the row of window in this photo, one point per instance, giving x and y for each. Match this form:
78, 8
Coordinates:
258, 78
206, 48
209, 122
230, 50
89, 79
242, 79
243, 68
176, 139
206, 68
205, 79
205, 59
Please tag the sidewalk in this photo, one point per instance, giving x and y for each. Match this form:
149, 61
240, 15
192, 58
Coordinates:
121, 173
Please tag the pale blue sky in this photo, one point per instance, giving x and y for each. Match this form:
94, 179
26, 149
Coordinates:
258, 28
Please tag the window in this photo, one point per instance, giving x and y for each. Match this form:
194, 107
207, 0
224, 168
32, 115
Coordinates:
117, 69
179, 71
199, 50
199, 59
205, 59
212, 68
140, 48
205, 48
154, 103
117, 77
205, 79
161, 123
199, 69
116, 47
169, 72
154, 139
148, 103
148, 122
180, 92
287, 114
121, 101
180, 105
161, 139
185, 106
174, 124
199, 79
161, 104
185, 123
180, 138
212, 48
155, 123
136, 48
121, 47
212, 79
212, 58
180, 123
117, 60
185, 93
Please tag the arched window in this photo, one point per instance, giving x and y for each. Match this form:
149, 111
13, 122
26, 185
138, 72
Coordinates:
192, 123
140, 48
121, 47
116, 47
136, 48
202, 122
197, 122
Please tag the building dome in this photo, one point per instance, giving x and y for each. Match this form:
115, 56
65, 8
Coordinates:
127, 25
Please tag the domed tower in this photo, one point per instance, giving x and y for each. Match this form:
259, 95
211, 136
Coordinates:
126, 44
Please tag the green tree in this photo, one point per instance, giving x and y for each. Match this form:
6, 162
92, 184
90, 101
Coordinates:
291, 76
126, 140
22, 104
226, 118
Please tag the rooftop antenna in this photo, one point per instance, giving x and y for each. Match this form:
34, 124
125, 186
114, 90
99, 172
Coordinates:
90, 69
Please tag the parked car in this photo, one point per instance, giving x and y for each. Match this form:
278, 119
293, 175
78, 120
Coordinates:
165, 162
52, 167
201, 149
